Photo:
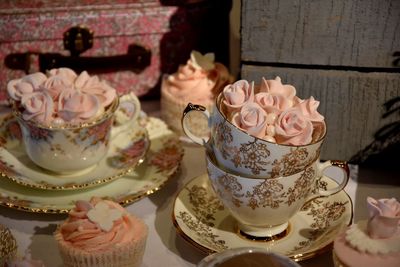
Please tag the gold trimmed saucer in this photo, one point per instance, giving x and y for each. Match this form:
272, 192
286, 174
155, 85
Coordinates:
201, 219
127, 149
162, 162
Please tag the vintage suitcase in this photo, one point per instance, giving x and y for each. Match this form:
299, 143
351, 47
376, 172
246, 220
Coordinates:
128, 43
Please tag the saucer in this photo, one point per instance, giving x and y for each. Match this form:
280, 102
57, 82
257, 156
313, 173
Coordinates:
127, 150
201, 219
162, 161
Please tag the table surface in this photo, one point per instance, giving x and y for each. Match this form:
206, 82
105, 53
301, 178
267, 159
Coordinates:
33, 232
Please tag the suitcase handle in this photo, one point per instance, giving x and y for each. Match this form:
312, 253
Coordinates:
77, 40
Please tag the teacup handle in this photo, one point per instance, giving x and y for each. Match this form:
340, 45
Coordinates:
189, 108
342, 165
127, 113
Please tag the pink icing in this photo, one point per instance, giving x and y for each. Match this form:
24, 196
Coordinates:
81, 233
292, 128
273, 103
276, 87
76, 106
18, 87
251, 118
236, 95
78, 98
289, 119
354, 258
384, 217
309, 109
383, 231
192, 83
38, 106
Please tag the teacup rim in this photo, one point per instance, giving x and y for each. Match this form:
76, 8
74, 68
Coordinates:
69, 126
217, 106
214, 162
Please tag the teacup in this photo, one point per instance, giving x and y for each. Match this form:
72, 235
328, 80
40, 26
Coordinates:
263, 207
247, 257
76, 148
248, 155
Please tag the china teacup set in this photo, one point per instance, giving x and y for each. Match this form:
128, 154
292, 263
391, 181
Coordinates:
263, 184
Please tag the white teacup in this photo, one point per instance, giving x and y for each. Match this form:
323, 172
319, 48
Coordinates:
72, 148
263, 207
244, 154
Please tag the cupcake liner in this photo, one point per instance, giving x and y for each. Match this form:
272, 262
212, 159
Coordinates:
128, 254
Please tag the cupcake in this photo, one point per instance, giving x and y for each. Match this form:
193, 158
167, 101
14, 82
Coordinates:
8, 245
373, 242
101, 233
199, 81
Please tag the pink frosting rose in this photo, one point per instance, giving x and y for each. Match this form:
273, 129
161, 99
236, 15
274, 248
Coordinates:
38, 106
273, 103
384, 217
236, 95
18, 87
191, 83
276, 87
292, 128
93, 86
309, 109
74, 106
81, 232
67, 73
251, 118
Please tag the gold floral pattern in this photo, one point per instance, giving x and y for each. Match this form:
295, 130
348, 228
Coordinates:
290, 163
203, 231
301, 187
324, 215
231, 185
205, 206
268, 193
223, 137
253, 156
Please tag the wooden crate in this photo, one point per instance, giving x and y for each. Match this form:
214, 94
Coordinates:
341, 52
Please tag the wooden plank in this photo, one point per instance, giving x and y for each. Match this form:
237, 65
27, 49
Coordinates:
352, 102
360, 33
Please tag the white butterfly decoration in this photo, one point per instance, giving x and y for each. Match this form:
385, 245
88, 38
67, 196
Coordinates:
104, 216
205, 62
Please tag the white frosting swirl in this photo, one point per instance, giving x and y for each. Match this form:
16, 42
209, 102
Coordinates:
358, 238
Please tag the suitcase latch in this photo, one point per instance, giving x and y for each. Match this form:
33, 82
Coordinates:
78, 39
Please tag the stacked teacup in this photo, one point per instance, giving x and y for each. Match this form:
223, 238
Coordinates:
263, 154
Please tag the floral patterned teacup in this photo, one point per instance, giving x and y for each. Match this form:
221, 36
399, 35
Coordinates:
68, 149
245, 154
263, 207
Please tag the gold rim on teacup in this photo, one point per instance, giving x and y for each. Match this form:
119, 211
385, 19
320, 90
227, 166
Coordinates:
68, 126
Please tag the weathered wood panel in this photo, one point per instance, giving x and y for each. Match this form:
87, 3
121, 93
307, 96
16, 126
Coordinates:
362, 33
352, 102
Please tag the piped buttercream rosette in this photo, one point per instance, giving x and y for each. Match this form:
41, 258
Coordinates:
273, 113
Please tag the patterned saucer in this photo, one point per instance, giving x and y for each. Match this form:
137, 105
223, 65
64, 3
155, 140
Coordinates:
201, 219
162, 161
127, 149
